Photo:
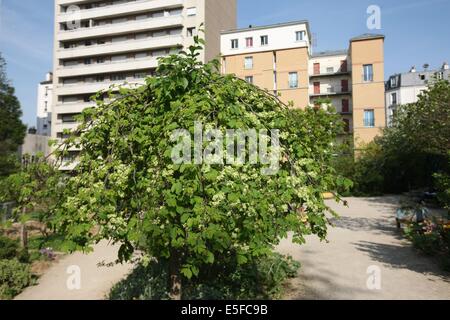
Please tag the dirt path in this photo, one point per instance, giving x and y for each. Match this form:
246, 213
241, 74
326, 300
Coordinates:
95, 282
365, 236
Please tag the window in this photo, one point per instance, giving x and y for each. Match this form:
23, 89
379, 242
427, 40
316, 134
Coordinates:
248, 63
234, 44
368, 72
117, 77
139, 75
87, 61
191, 32
191, 11
300, 35
293, 80
264, 40
369, 118
249, 79
393, 82
249, 42
330, 70
394, 98
439, 75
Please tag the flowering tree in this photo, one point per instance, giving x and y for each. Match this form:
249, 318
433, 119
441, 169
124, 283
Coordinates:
127, 187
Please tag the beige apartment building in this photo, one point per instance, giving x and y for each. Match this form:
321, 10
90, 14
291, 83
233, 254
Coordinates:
99, 43
280, 58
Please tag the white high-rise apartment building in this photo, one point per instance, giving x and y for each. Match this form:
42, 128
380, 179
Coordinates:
99, 43
44, 106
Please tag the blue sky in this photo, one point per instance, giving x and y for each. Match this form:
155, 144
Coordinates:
417, 32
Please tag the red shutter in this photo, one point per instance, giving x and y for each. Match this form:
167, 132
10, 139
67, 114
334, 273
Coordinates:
345, 105
344, 85
344, 66
316, 87
316, 68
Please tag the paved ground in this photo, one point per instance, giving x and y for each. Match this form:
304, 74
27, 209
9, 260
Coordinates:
365, 236
95, 281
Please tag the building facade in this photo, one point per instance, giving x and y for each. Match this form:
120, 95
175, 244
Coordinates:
404, 88
280, 58
99, 43
44, 106
34, 145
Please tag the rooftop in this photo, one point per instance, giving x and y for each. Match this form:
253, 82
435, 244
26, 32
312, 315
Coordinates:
270, 26
329, 53
367, 36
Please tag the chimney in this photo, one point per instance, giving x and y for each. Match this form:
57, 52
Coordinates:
49, 76
445, 66
413, 69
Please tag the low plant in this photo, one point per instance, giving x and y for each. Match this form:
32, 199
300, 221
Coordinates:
262, 278
433, 239
10, 249
14, 277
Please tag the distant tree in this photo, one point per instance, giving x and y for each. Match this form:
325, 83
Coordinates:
409, 154
35, 190
12, 130
425, 124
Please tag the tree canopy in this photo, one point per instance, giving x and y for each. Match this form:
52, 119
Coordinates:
409, 153
127, 188
12, 130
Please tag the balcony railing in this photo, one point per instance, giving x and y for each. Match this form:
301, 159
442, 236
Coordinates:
118, 5
99, 27
106, 44
107, 63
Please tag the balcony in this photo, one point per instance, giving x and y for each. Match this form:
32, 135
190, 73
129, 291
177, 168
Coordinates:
116, 10
77, 107
59, 126
120, 28
90, 88
121, 47
111, 67
330, 74
331, 91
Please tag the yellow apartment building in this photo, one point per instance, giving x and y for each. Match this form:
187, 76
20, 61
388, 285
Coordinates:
280, 59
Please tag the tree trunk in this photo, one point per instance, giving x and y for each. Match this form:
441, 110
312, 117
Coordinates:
175, 276
23, 233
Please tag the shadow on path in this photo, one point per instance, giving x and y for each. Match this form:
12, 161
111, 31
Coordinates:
401, 257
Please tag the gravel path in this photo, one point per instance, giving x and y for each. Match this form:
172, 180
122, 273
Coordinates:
365, 236
95, 282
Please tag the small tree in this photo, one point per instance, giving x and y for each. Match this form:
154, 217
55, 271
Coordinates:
12, 130
128, 189
35, 191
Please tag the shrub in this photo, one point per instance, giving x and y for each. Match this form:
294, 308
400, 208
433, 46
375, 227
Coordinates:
14, 277
8, 248
432, 239
262, 278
